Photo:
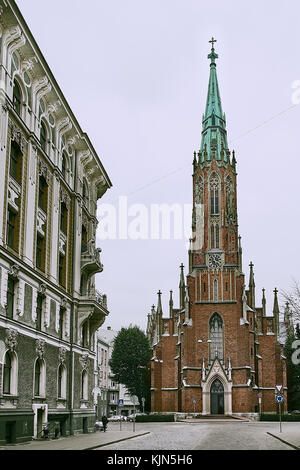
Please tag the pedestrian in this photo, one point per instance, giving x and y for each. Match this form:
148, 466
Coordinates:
104, 422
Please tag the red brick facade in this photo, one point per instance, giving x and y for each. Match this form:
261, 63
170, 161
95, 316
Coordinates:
216, 353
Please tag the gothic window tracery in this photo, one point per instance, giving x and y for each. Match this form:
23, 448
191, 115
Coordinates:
214, 186
216, 336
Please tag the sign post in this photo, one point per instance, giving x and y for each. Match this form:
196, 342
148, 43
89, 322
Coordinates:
279, 399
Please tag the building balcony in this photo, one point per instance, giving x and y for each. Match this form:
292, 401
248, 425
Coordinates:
92, 307
90, 259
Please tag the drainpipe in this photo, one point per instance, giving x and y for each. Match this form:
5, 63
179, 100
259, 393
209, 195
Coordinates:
71, 388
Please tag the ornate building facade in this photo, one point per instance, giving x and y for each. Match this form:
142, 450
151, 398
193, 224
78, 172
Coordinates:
218, 353
50, 181
113, 398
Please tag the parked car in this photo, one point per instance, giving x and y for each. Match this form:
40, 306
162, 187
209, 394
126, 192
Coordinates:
294, 412
116, 418
99, 426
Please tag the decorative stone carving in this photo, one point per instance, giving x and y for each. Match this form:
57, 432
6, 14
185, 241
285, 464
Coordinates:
84, 361
28, 64
53, 107
16, 135
11, 339
44, 171
14, 271
40, 348
63, 303
64, 197
62, 354
42, 289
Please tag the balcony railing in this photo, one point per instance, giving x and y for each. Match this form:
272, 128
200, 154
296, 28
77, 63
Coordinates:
90, 259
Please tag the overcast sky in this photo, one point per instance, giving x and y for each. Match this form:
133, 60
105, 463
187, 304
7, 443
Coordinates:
135, 73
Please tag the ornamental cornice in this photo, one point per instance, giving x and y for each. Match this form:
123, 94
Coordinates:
64, 125
13, 39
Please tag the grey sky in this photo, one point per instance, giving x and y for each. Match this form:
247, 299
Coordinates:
135, 73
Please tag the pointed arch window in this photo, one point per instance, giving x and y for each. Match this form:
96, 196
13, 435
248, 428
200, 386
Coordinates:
214, 195
216, 337
215, 236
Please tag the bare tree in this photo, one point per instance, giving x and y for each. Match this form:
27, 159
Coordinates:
293, 299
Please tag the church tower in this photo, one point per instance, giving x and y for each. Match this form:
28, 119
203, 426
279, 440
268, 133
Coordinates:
218, 353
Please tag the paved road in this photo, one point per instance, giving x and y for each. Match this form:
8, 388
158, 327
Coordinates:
204, 436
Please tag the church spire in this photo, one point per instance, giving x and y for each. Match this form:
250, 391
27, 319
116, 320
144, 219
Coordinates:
214, 136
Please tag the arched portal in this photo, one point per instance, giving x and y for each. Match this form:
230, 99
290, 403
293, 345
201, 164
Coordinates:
217, 398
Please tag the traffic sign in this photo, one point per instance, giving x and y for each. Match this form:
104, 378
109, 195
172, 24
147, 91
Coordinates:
121, 402
279, 398
278, 388
194, 401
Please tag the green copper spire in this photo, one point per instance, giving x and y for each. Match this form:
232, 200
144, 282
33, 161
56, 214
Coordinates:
214, 136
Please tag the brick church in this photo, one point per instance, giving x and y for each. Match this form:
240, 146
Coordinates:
218, 353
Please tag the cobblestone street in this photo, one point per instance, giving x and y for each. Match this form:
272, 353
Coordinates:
204, 435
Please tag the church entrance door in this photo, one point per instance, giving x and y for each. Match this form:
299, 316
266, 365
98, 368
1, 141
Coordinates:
217, 398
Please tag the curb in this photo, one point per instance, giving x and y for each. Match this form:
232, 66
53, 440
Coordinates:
114, 442
285, 442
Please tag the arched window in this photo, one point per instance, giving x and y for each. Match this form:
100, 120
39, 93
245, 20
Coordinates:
63, 165
84, 239
214, 195
43, 194
84, 385
61, 382
85, 193
39, 378
7, 374
17, 98
43, 137
10, 373
216, 336
16, 162
84, 335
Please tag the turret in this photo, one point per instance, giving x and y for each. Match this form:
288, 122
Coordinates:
251, 287
171, 304
263, 303
181, 287
276, 313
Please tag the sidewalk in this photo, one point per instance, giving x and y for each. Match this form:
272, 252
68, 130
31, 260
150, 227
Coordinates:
82, 441
290, 434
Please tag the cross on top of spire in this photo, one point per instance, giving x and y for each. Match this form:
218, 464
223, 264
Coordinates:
213, 40
213, 55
